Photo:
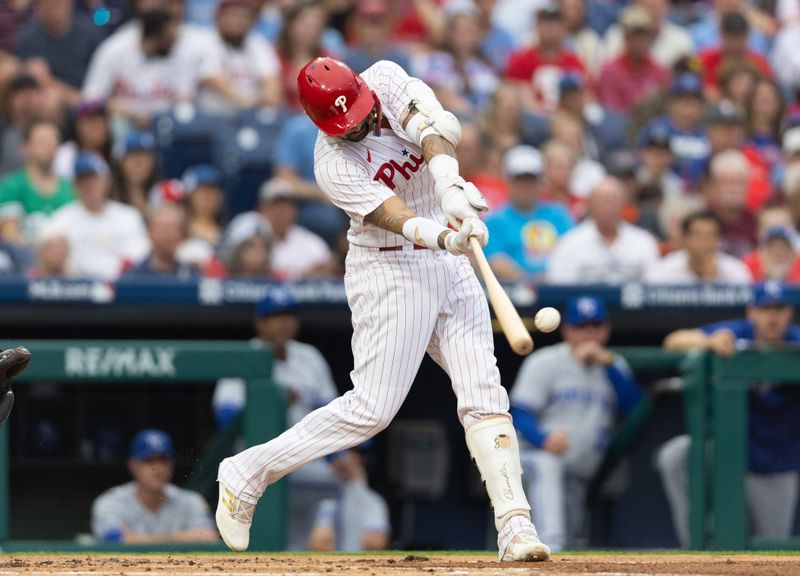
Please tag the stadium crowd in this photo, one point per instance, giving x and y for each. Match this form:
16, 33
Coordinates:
614, 141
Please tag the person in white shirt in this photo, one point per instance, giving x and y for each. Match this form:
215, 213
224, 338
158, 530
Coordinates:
242, 69
603, 248
701, 260
296, 252
103, 234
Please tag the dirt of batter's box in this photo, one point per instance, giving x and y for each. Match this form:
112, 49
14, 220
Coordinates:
401, 564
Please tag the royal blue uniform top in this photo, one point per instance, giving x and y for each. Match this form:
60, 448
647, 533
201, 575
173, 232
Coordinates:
773, 412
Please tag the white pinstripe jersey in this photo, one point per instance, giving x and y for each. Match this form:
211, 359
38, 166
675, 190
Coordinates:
360, 176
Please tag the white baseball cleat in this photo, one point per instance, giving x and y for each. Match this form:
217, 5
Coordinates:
234, 519
525, 547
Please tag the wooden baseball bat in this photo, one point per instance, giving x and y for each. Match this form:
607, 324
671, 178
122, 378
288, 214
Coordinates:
517, 335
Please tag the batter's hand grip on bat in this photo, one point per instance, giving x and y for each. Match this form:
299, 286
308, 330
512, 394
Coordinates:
517, 335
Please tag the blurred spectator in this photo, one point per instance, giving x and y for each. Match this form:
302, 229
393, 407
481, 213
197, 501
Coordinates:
700, 260
302, 371
786, 56
634, 75
29, 196
358, 520
202, 186
498, 43
300, 42
725, 192
524, 231
24, 101
671, 214
656, 162
90, 132
64, 41
559, 165
706, 33
143, 70
136, 171
241, 70
539, 68
568, 130
683, 123
296, 252
502, 124
103, 234
11, 258
150, 509
518, 18
772, 476
13, 16
52, 253
564, 403
775, 258
166, 228
732, 47
791, 192
472, 160
581, 39
764, 111
459, 73
671, 42
603, 248
371, 32
251, 258
737, 81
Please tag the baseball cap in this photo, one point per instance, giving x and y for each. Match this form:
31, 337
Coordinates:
522, 160
151, 443
791, 141
686, 85
778, 232
636, 19
136, 142
585, 310
277, 301
90, 164
734, 23
201, 175
570, 81
769, 293
276, 189
724, 112
656, 136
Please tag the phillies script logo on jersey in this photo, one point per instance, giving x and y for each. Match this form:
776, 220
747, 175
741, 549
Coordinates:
407, 169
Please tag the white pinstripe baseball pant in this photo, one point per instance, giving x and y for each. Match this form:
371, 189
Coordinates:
403, 304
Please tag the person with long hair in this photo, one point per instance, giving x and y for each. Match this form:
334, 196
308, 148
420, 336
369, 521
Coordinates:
135, 170
765, 109
90, 132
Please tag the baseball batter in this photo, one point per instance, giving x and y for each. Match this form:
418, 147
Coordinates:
386, 156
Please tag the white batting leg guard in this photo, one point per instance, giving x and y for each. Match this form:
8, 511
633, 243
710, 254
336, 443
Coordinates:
494, 447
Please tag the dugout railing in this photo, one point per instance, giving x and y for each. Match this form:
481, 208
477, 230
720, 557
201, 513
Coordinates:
110, 362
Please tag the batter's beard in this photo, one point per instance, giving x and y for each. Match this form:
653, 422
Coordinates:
366, 128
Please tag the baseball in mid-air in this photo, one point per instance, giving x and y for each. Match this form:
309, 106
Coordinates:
547, 319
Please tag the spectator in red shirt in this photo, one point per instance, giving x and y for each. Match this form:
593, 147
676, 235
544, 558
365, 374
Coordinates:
733, 47
541, 66
634, 75
775, 258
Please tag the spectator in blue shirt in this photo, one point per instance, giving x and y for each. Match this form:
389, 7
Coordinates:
773, 451
705, 32
524, 231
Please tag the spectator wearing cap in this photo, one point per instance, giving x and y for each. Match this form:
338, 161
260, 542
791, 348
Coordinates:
29, 196
656, 160
564, 402
356, 521
296, 252
687, 135
64, 41
241, 70
524, 231
90, 132
634, 75
539, 68
103, 234
773, 428
202, 186
149, 509
136, 169
585, 42
473, 160
707, 32
671, 42
462, 78
603, 248
371, 27
734, 30
701, 259
302, 371
776, 257
166, 229
24, 101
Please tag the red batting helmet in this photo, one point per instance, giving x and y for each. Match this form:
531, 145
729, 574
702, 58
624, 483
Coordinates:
334, 97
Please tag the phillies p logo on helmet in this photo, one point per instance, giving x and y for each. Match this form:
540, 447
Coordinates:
341, 102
